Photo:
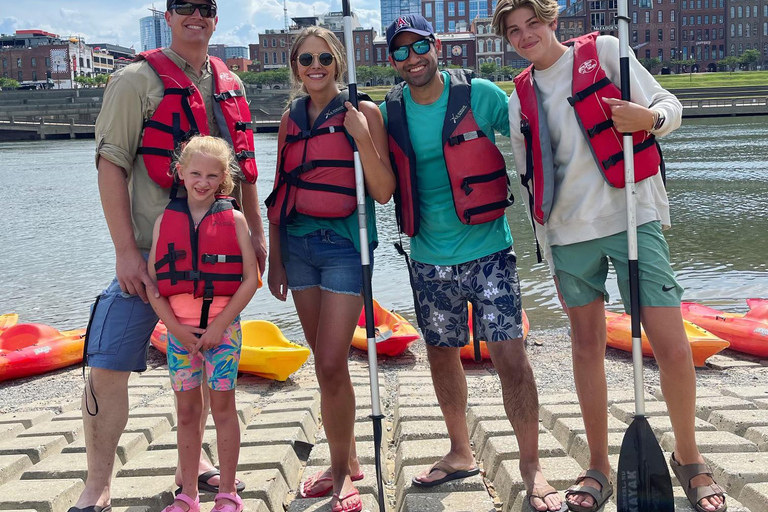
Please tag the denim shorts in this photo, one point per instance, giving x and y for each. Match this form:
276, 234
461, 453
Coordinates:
490, 283
323, 258
121, 325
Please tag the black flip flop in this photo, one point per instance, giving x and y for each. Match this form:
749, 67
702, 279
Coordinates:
204, 486
92, 508
450, 474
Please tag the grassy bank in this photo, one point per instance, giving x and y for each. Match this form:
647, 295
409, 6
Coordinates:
683, 81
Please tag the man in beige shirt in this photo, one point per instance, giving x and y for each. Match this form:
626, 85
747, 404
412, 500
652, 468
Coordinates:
122, 320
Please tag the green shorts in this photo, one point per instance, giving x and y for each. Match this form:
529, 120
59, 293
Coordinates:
581, 269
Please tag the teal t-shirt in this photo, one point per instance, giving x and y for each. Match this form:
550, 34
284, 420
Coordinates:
347, 227
442, 238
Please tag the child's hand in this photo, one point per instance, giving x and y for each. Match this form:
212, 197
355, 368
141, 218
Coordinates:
187, 336
277, 280
211, 338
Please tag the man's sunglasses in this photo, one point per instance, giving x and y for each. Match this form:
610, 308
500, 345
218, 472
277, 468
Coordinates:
188, 8
419, 47
325, 59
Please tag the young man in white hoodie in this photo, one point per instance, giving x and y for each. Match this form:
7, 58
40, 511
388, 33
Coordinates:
563, 140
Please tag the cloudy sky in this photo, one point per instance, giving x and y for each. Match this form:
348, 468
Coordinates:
117, 21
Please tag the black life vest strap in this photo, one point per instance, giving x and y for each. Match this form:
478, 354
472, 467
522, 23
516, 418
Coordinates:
170, 258
222, 258
458, 139
588, 91
182, 91
498, 205
196, 275
207, 301
324, 187
482, 178
241, 126
225, 95
297, 171
600, 127
618, 157
244, 155
525, 179
306, 134
157, 125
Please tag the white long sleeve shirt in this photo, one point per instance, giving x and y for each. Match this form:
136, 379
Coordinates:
585, 206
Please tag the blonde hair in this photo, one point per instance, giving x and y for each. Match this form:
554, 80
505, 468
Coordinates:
545, 10
337, 50
216, 148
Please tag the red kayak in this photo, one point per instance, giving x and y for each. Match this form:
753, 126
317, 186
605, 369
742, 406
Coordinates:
747, 333
394, 334
32, 349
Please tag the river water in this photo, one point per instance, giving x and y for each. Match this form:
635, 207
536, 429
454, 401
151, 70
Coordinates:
56, 254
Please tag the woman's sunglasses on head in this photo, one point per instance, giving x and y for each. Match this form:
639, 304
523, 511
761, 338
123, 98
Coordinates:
188, 8
325, 59
419, 47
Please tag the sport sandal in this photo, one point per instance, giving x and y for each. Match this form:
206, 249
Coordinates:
599, 495
229, 503
194, 505
686, 473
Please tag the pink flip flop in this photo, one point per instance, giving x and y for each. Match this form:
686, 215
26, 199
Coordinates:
317, 478
339, 507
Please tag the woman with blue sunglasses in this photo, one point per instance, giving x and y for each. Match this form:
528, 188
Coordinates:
314, 240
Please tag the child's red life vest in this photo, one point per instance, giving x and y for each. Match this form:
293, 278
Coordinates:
316, 171
476, 168
589, 85
204, 261
181, 115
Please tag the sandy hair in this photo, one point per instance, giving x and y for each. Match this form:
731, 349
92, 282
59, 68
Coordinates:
216, 148
337, 50
545, 10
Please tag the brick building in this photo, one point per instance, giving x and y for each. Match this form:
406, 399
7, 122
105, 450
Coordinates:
747, 28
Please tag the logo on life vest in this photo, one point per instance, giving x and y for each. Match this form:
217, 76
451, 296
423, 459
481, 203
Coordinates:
226, 76
762, 331
402, 22
455, 117
588, 66
335, 111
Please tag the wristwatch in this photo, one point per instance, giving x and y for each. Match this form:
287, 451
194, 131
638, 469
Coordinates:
659, 119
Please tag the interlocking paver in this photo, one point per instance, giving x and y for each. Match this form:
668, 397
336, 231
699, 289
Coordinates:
41, 495
301, 419
477, 501
37, 448
149, 412
267, 485
249, 505
368, 485
739, 421
661, 424
549, 414
759, 436
499, 449
26, 418
313, 406
264, 437
704, 408
493, 428
558, 399
321, 454
150, 382
747, 392
11, 466
129, 445
713, 442
560, 472
734, 470
724, 362
321, 504
281, 457
566, 429
754, 496
761, 403
579, 449
10, 430
479, 413
153, 492
150, 463
427, 451
405, 487
625, 411
61, 467
70, 429
701, 392
363, 432
417, 414
411, 430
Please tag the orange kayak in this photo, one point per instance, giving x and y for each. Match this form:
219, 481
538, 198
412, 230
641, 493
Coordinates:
33, 349
703, 343
394, 334
468, 350
747, 333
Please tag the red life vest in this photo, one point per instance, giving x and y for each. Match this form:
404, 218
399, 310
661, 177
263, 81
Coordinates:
315, 171
204, 261
181, 115
476, 168
589, 85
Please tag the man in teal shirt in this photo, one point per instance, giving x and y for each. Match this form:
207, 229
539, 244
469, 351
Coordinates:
456, 259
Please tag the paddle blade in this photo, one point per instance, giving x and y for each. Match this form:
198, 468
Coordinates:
643, 477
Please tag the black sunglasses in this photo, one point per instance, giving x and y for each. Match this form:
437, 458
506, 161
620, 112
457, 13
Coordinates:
325, 59
188, 8
420, 47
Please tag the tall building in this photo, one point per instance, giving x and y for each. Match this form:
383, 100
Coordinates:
236, 52
155, 32
391, 9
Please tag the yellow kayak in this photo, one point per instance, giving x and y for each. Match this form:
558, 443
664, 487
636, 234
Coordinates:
8, 320
266, 352
269, 354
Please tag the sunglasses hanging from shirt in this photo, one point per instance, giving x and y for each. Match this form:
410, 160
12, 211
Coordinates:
188, 8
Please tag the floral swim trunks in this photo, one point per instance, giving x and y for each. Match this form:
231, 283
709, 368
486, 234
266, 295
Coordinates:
220, 363
490, 283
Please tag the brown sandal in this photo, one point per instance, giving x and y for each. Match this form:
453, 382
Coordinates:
686, 473
599, 495
541, 493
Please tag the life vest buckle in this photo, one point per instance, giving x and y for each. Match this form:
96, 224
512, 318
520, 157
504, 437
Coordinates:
465, 187
193, 275
190, 90
525, 126
214, 258
176, 255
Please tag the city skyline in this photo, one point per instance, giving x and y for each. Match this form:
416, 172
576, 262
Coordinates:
240, 21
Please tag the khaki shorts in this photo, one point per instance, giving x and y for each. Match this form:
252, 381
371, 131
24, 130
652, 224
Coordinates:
582, 268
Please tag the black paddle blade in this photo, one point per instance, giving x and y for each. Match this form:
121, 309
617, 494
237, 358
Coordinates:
644, 484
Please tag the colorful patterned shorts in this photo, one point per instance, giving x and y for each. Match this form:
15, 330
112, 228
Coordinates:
490, 283
220, 363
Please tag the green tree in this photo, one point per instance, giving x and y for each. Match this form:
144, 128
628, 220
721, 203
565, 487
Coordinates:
85, 81
8, 83
650, 64
730, 63
101, 80
749, 58
487, 69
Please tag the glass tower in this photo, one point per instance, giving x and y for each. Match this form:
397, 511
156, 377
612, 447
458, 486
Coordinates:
155, 32
391, 9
